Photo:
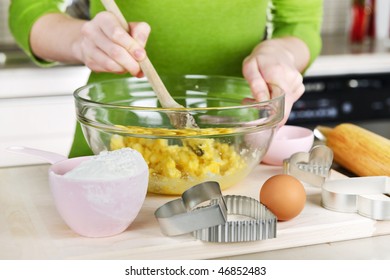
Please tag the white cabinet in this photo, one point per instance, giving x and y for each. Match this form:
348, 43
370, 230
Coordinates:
37, 110
350, 64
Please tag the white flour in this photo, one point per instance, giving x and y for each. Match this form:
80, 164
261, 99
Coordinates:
109, 165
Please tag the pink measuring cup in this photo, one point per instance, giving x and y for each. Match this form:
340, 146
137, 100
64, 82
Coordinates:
93, 208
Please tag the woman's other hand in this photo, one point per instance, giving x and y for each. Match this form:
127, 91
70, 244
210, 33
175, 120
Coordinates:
279, 62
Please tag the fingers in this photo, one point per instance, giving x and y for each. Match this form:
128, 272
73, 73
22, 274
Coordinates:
104, 56
109, 48
258, 76
287, 111
256, 82
125, 57
293, 88
115, 33
140, 32
101, 62
262, 70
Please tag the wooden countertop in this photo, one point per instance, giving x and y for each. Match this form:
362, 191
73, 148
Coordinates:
31, 228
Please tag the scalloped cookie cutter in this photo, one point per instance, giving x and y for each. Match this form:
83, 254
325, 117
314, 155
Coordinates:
259, 222
368, 196
312, 167
250, 220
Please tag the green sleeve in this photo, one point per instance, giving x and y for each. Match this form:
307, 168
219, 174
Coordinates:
22, 16
301, 19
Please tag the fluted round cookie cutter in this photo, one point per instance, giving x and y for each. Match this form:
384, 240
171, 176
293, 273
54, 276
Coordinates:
259, 224
211, 222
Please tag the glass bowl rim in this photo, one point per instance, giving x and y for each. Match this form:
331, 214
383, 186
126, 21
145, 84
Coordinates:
79, 90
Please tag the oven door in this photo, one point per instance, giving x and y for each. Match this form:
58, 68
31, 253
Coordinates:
363, 99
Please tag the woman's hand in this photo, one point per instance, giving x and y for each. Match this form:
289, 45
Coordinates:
104, 46
278, 62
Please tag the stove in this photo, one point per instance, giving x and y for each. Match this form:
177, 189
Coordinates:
343, 98
359, 98
346, 88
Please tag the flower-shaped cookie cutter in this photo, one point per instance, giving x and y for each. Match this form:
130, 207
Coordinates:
312, 167
185, 214
369, 196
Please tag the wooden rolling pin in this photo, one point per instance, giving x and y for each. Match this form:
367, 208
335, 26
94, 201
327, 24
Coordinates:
359, 150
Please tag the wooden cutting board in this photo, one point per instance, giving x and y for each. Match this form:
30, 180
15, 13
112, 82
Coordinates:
31, 228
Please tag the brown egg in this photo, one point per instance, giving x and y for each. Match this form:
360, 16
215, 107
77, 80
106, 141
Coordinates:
284, 195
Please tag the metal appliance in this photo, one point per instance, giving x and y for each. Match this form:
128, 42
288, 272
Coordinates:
343, 98
347, 86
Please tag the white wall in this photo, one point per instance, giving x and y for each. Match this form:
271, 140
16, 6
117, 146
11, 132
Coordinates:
336, 17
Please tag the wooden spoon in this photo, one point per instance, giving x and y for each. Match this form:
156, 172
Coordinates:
178, 120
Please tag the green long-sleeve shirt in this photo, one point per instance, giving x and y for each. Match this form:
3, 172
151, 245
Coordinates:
191, 36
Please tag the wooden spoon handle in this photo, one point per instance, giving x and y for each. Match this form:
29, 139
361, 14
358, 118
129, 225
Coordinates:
146, 65
112, 7
158, 86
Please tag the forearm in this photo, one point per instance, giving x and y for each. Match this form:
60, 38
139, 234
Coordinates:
299, 19
54, 37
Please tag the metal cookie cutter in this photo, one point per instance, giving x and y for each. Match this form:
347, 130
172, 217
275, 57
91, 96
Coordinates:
313, 167
368, 196
182, 215
260, 225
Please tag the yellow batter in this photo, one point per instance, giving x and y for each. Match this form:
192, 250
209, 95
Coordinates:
168, 163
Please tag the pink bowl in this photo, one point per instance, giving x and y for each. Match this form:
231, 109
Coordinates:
287, 141
97, 208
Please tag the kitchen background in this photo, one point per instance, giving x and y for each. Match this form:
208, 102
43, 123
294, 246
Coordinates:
350, 81
336, 12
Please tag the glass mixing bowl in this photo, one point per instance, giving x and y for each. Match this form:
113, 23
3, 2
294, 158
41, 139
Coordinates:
233, 136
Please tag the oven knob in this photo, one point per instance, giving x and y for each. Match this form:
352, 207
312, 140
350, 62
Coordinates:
347, 107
